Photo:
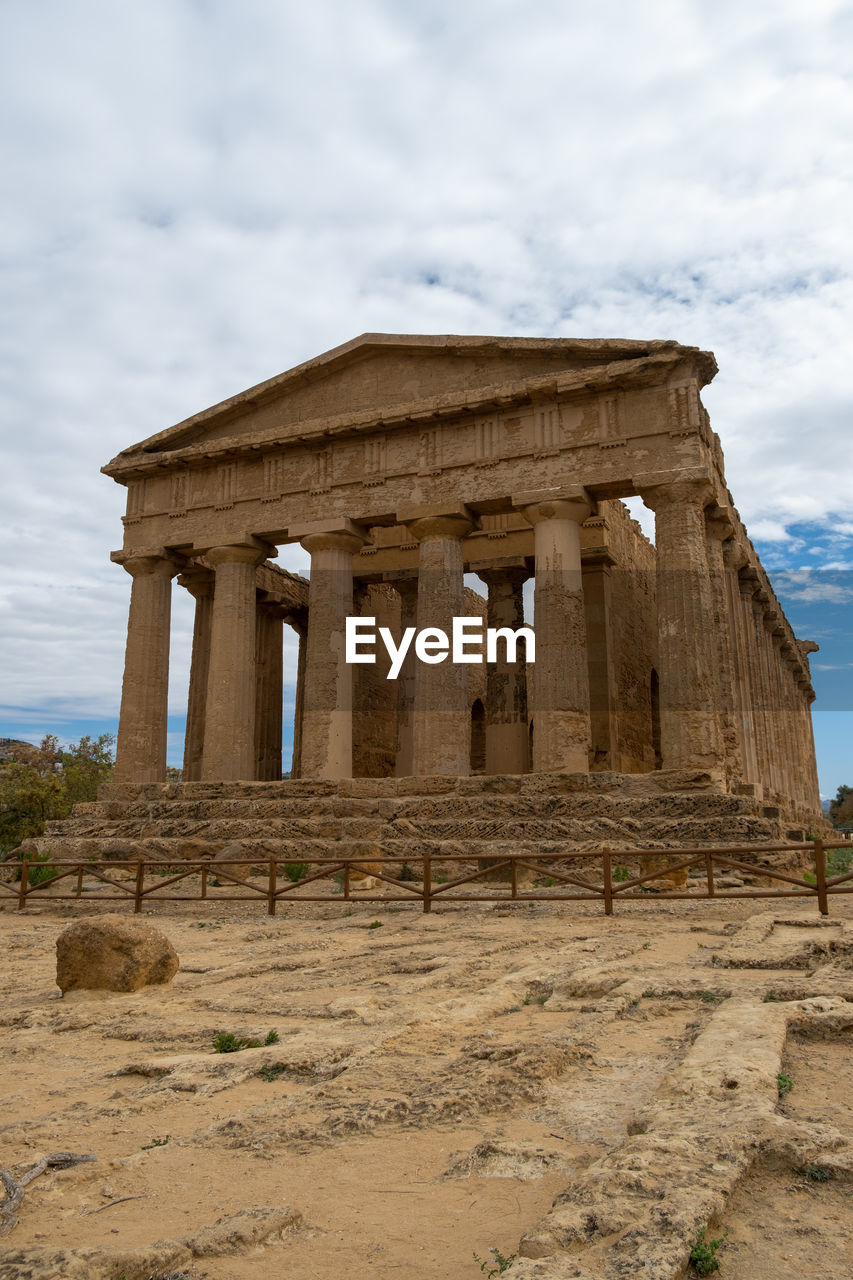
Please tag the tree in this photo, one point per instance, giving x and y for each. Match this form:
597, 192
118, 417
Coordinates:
841, 808
38, 784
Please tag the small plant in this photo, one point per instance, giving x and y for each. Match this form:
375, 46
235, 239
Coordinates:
817, 1173
621, 874
157, 1142
526, 1000
496, 1262
541, 999
406, 872
784, 1083
646, 946
514, 1008
708, 997
441, 879
227, 1042
272, 1072
296, 870
375, 924
703, 1255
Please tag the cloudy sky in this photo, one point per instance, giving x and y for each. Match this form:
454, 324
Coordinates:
200, 194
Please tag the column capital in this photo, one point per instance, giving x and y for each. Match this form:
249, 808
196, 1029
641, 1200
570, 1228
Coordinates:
141, 564
569, 502
691, 485
335, 534
735, 555
236, 553
719, 524
437, 521
497, 576
198, 581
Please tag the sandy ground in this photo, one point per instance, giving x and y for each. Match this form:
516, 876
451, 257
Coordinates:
437, 1081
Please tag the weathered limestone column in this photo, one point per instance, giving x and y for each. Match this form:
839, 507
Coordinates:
404, 767
810, 778
327, 712
766, 617
441, 727
141, 746
796, 761
229, 736
734, 559
199, 583
690, 734
748, 586
719, 528
561, 723
300, 626
603, 682
269, 696
507, 737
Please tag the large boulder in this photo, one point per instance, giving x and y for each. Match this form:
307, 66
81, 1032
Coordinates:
113, 953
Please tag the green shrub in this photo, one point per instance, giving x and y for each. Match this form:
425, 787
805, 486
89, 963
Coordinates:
703, 1255
784, 1083
296, 871
227, 1042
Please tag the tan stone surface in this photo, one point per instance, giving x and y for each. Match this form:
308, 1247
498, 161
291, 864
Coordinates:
541, 1080
113, 953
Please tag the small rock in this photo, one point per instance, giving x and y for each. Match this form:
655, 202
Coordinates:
113, 953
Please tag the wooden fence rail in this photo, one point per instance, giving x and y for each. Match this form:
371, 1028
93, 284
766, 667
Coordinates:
571, 876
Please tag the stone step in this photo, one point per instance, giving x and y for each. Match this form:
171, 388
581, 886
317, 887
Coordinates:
374, 828
259, 841
415, 809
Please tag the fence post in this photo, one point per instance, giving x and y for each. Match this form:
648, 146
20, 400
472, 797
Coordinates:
22, 892
513, 876
709, 873
607, 869
204, 882
140, 878
820, 876
427, 882
79, 882
271, 889
346, 881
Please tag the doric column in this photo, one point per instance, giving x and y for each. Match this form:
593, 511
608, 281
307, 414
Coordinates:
719, 528
561, 723
269, 686
327, 712
229, 731
810, 778
690, 736
603, 677
734, 559
507, 736
141, 746
441, 726
199, 583
775, 750
300, 626
752, 609
794, 726
404, 767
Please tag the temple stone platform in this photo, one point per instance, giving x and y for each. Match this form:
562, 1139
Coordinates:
480, 816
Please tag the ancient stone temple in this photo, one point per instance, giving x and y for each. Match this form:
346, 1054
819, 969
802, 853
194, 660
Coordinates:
401, 463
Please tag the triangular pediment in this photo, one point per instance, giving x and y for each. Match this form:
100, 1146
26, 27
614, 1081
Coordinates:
379, 376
